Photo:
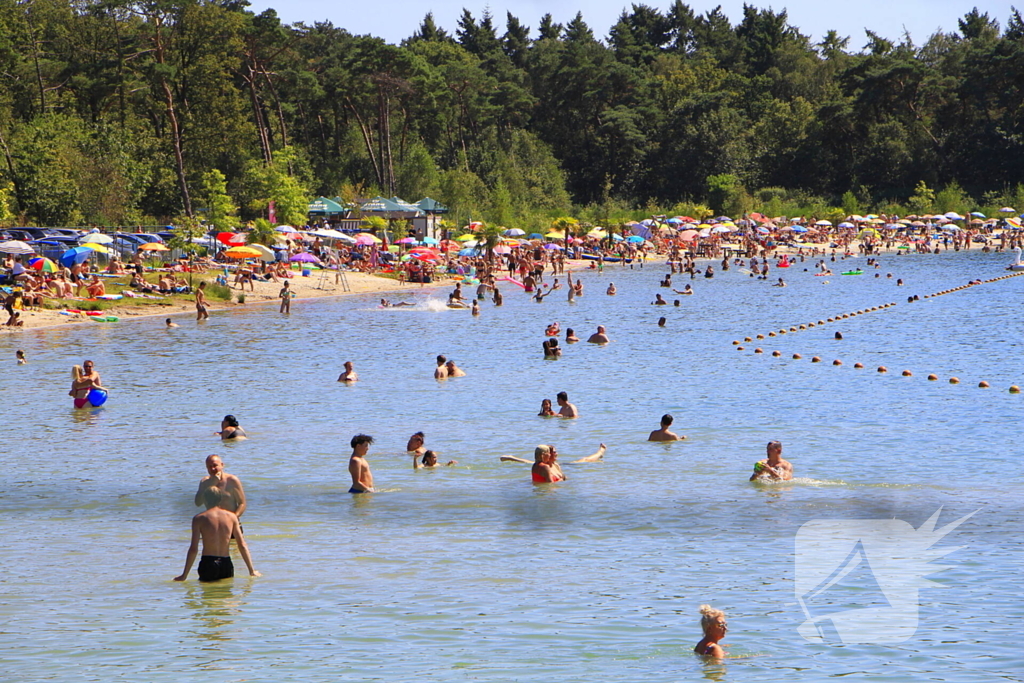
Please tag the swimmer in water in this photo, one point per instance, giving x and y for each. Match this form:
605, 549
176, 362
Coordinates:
429, 461
220, 489
441, 371
20, 356
780, 283
597, 456
688, 289
545, 409
350, 374
712, 622
384, 303
551, 349
169, 323
659, 301
773, 468
454, 370
599, 337
570, 336
566, 409
362, 478
611, 289
475, 308
229, 429
664, 433
414, 446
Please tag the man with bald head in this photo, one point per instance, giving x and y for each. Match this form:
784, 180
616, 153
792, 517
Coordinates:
220, 489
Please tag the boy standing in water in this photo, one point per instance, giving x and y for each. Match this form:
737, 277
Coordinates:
362, 478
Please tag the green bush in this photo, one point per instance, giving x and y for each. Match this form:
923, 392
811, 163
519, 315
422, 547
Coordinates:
217, 291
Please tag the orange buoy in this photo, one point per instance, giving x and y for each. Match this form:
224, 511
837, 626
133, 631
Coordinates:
908, 373
983, 384
932, 378
1014, 389
837, 362
735, 343
954, 380
882, 368
746, 339
758, 351
739, 348
858, 366
797, 356
816, 359
776, 353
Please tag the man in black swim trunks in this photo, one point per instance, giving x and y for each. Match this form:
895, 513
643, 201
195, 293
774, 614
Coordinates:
216, 527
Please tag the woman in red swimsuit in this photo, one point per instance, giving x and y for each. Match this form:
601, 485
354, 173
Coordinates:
543, 472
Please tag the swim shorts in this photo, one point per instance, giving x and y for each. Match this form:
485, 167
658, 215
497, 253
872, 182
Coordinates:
355, 490
213, 568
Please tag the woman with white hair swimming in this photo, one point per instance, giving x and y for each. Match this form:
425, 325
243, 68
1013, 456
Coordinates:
712, 621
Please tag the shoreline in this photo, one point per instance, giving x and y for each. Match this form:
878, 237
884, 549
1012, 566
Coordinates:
264, 293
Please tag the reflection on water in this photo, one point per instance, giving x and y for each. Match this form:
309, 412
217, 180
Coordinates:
215, 606
472, 568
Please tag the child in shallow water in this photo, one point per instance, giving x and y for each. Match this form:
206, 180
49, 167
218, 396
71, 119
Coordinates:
545, 409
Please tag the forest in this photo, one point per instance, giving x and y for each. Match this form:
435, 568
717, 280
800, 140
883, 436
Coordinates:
122, 112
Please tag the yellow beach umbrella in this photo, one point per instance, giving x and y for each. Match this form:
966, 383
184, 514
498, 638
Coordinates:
96, 247
366, 235
242, 252
153, 246
465, 238
555, 235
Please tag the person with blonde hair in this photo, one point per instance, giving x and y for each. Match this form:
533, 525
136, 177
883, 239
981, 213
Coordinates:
712, 622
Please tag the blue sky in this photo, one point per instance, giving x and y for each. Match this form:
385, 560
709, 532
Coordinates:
394, 20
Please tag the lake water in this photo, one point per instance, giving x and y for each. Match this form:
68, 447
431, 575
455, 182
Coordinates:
471, 573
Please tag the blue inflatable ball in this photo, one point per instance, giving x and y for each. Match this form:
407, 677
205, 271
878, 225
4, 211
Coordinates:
97, 397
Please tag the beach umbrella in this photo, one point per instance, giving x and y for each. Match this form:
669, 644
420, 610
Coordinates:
824, 224
406, 240
152, 246
1007, 209
977, 214
687, 235
468, 252
800, 229
365, 238
304, 257
16, 247
95, 238
266, 253
449, 245
954, 216
75, 255
503, 249
977, 221
43, 265
763, 230
231, 239
552, 246
475, 225
431, 240
469, 243
675, 221
243, 252
536, 236
719, 229
555, 235
597, 233
633, 239
514, 232
847, 225
466, 238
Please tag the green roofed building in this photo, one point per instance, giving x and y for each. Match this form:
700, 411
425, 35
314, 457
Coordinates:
322, 206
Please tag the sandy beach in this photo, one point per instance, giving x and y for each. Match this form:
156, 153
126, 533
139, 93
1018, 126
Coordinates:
263, 293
